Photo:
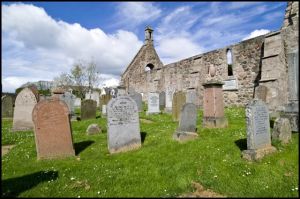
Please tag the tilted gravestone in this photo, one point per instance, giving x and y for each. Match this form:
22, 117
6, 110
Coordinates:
153, 103
24, 104
187, 123
179, 99
162, 100
282, 130
52, 129
88, 109
69, 99
123, 125
7, 106
137, 97
258, 131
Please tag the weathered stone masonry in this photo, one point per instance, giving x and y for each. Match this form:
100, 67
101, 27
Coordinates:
259, 67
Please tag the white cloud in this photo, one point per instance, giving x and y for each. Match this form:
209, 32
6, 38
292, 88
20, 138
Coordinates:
109, 80
177, 48
35, 46
135, 13
256, 33
12, 82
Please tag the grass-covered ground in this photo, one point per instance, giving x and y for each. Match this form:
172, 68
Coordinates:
162, 167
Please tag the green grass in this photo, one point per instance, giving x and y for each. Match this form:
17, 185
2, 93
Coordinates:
162, 167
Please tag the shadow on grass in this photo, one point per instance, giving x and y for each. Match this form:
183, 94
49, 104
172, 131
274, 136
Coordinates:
242, 144
13, 187
143, 136
80, 146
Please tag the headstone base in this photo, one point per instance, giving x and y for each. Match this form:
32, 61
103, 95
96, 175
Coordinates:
184, 136
56, 156
214, 122
257, 154
126, 148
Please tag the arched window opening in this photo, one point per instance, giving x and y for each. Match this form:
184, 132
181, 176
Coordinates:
149, 67
229, 62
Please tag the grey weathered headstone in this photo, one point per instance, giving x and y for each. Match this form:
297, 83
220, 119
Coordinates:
93, 129
153, 103
69, 99
162, 100
169, 97
137, 97
7, 106
258, 131
187, 123
282, 130
123, 125
24, 104
52, 129
191, 96
88, 109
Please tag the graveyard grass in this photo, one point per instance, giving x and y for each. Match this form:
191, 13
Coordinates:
162, 167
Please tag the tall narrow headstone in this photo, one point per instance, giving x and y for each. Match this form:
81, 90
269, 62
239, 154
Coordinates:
191, 96
52, 129
123, 125
24, 104
179, 99
7, 106
169, 97
213, 105
153, 103
187, 123
88, 109
137, 97
258, 131
162, 100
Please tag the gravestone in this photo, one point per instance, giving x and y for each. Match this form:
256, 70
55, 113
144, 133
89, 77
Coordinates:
213, 105
77, 102
137, 97
93, 129
187, 123
258, 131
261, 92
52, 129
191, 96
179, 99
69, 99
7, 106
282, 130
104, 112
162, 100
123, 125
24, 104
169, 97
88, 109
94, 96
153, 103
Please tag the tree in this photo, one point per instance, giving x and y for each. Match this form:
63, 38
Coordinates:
92, 75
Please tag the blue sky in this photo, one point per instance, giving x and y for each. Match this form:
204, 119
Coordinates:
41, 40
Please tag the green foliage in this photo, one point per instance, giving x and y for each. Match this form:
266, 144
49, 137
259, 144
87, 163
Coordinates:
162, 167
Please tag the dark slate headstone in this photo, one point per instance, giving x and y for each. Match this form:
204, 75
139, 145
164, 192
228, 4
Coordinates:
52, 129
88, 109
7, 106
137, 97
258, 131
24, 104
282, 130
123, 125
162, 100
187, 123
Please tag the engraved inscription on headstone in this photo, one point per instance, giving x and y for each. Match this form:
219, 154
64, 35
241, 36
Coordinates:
153, 103
123, 125
24, 104
52, 129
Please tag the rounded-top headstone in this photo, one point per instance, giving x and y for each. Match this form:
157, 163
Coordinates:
93, 129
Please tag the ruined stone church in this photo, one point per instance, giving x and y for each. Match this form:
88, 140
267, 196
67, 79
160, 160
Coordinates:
265, 67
